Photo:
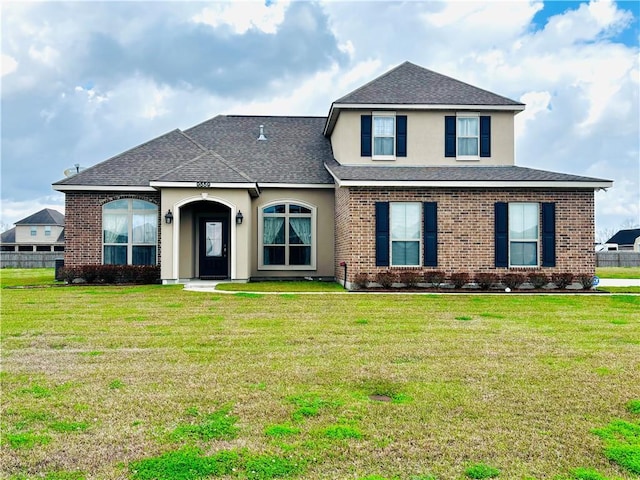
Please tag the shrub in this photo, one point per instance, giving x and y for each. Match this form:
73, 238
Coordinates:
386, 278
538, 279
89, 272
459, 279
585, 279
435, 277
410, 278
562, 280
361, 280
513, 280
142, 274
486, 279
68, 274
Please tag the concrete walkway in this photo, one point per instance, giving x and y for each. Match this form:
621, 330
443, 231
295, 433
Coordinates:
619, 282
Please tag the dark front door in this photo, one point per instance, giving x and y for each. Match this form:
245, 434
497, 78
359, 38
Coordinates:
214, 248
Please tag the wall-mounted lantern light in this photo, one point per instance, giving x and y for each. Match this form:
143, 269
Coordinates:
239, 218
168, 218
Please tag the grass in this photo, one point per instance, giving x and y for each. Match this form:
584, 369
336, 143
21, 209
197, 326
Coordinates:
268, 386
618, 272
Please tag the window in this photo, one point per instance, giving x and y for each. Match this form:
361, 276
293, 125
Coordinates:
384, 136
524, 219
47, 231
467, 137
34, 231
287, 233
401, 237
405, 234
130, 232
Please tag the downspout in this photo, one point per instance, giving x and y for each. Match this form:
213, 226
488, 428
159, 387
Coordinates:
344, 264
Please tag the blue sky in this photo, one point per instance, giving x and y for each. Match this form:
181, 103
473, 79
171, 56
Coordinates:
83, 81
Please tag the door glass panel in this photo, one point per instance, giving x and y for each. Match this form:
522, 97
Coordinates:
214, 239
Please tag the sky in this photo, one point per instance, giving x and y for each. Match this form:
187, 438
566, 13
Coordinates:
86, 80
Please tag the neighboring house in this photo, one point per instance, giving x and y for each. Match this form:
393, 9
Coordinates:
628, 239
35, 241
414, 170
41, 232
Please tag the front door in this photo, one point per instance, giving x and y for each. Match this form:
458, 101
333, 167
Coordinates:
214, 248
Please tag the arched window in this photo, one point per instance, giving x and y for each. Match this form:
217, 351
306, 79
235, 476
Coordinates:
129, 232
287, 235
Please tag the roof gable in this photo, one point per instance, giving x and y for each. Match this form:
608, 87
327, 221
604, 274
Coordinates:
410, 84
46, 216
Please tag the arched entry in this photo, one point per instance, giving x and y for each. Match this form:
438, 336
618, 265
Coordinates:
204, 238
212, 239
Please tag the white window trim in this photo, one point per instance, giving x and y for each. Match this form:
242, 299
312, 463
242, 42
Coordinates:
314, 234
419, 240
130, 244
525, 240
47, 231
373, 135
34, 231
467, 157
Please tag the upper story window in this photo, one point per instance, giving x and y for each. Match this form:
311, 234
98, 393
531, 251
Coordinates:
34, 231
383, 136
467, 136
287, 234
130, 232
47, 231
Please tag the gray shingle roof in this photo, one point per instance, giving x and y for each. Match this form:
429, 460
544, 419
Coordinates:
46, 216
208, 167
9, 236
625, 237
294, 150
452, 174
411, 84
136, 167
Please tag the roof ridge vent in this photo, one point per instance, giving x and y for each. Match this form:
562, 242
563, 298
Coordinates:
262, 137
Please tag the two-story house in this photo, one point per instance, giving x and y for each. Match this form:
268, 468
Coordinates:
414, 170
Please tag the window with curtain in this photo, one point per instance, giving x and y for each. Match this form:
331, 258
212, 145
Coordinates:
129, 232
287, 236
384, 135
406, 220
524, 220
468, 136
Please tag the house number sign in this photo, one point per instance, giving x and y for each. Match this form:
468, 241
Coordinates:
203, 184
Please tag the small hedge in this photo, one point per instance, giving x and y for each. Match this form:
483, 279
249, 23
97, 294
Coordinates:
110, 274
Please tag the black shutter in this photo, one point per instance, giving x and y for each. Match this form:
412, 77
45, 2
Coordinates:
401, 136
449, 136
548, 234
485, 136
382, 234
501, 234
430, 234
365, 135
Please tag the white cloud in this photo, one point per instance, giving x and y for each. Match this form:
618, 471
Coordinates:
9, 64
46, 55
241, 16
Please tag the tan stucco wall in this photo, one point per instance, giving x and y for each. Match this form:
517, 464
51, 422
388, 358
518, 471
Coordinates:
178, 200
425, 140
323, 200
23, 234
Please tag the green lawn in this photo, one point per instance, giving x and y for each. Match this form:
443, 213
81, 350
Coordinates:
618, 272
147, 382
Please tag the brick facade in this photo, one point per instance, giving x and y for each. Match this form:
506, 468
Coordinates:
465, 228
83, 224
